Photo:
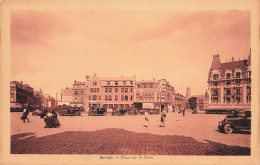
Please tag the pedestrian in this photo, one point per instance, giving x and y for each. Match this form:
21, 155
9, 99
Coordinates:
163, 116
146, 118
48, 120
183, 111
25, 115
55, 119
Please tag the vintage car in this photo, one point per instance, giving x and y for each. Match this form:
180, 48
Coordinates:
70, 111
119, 111
97, 111
238, 121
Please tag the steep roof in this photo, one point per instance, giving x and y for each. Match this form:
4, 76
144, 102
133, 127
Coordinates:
233, 65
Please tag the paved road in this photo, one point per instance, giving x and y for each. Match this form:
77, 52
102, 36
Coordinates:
194, 134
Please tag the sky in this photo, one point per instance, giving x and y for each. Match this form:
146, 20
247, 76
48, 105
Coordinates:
51, 49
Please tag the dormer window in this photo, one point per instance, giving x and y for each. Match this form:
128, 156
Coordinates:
215, 77
238, 74
228, 76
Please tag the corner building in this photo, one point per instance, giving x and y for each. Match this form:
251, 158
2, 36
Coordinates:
154, 95
229, 85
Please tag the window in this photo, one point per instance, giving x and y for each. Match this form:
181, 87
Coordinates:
106, 89
126, 97
116, 82
215, 77
122, 90
94, 83
131, 89
110, 97
215, 93
138, 85
228, 92
91, 90
131, 82
122, 98
237, 99
94, 97
82, 92
110, 89
228, 99
116, 89
238, 91
126, 89
131, 97
89, 97
116, 97
76, 99
238, 74
82, 100
237, 83
228, 83
228, 75
106, 97
97, 90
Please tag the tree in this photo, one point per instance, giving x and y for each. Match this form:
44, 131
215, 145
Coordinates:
193, 103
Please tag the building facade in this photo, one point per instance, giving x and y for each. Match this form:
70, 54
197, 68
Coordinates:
202, 101
154, 95
180, 102
109, 92
78, 94
20, 94
229, 85
66, 95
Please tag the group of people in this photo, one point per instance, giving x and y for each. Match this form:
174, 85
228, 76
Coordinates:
50, 117
163, 117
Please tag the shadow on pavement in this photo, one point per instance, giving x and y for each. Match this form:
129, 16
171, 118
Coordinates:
119, 142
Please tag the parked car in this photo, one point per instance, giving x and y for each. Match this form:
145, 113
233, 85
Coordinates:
97, 111
239, 121
70, 111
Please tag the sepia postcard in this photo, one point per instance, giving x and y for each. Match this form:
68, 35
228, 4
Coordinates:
129, 82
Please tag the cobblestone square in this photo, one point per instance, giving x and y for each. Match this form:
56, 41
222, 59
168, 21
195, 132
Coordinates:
192, 134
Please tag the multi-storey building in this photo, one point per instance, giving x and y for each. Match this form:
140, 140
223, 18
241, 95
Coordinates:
20, 94
202, 101
229, 85
109, 91
66, 95
154, 94
180, 102
78, 94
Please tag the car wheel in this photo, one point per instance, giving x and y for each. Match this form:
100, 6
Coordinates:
228, 129
77, 114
